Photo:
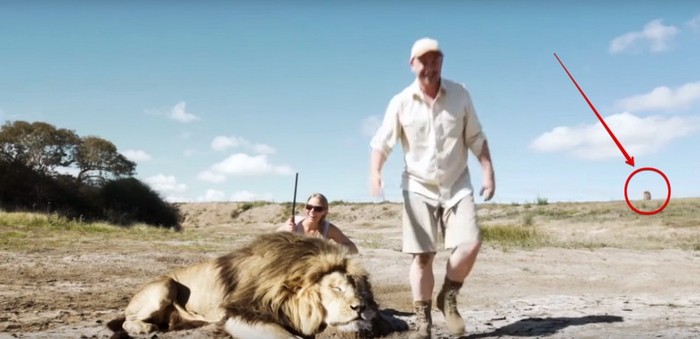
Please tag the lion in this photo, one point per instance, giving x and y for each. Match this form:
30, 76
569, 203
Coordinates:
280, 285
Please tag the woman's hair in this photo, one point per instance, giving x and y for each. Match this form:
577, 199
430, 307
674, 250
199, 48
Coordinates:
324, 202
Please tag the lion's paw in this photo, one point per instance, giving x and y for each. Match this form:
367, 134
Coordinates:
137, 327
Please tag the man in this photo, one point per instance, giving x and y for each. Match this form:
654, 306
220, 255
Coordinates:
435, 121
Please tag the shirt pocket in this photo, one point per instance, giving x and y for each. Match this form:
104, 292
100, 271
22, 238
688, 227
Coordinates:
450, 122
415, 125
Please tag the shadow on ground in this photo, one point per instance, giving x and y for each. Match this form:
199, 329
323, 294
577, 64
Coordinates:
531, 327
387, 322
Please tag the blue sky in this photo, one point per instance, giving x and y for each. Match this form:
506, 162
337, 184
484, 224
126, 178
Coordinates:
219, 101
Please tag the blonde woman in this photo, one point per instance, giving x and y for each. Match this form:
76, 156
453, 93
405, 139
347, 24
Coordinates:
314, 223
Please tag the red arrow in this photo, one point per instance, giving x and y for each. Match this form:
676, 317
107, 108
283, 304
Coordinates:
630, 160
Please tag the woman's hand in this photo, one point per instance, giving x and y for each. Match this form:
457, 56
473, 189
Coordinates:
289, 226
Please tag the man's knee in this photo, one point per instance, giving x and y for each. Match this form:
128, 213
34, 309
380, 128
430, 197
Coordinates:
424, 259
467, 248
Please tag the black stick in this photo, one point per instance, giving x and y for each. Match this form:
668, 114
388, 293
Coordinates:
294, 202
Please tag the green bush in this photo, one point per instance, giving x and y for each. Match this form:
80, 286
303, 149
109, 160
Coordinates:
23, 189
128, 201
541, 201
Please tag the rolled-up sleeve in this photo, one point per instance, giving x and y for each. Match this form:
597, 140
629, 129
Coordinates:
474, 137
389, 131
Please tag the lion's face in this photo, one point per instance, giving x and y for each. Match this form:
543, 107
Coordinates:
345, 302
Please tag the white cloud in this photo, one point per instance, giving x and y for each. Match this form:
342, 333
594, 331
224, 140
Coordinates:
370, 125
211, 177
172, 199
655, 34
662, 98
694, 23
241, 164
212, 195
638, 135
215, 195
264, 149
221, 143
249, 196
165, 184
137, 155
179, 113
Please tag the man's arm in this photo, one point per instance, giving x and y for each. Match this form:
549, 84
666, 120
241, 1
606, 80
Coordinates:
377, 160
382, 143
475, 140
488, 186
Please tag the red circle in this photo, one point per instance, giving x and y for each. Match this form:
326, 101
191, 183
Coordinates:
668, 195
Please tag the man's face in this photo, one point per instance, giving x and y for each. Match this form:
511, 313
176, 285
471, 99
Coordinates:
428, 68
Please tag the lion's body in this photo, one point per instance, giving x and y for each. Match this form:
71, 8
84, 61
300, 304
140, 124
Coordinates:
194, 292
278, 285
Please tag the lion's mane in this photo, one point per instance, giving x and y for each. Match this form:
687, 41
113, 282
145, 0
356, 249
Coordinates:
273, 279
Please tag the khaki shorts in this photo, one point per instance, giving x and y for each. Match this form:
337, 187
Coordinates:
422, 216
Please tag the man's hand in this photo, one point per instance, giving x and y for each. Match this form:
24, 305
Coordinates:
488, 184
488, 187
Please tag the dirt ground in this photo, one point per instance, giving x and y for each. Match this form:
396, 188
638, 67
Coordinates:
70, 289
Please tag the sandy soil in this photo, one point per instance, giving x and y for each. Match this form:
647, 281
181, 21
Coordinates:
72, 291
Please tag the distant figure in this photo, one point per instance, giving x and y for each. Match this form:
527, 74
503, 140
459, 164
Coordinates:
647, 195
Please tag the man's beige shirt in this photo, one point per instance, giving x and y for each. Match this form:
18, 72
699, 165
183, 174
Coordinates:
436, 138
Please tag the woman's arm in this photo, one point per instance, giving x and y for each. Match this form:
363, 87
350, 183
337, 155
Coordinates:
339, 237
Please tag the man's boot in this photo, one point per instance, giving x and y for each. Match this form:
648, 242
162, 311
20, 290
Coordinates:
424, 321
447, 303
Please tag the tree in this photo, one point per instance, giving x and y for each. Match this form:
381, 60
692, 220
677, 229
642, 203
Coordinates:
42, 147
38, 145
97, 159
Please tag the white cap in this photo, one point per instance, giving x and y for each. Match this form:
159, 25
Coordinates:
424, 45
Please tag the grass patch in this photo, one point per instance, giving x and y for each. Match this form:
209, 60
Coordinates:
510, 235
556, 213
51, 222
692, 244
20, 231
681, 214
247, 206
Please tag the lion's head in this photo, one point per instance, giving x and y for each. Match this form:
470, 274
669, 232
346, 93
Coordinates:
344, 301
301, 283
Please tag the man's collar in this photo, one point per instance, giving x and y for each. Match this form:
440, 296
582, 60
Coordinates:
417, 92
